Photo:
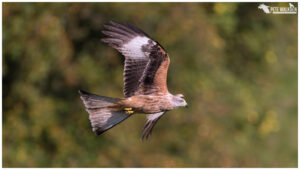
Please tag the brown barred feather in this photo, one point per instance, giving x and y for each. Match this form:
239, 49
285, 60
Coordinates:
154, 78
133, 70
131, 78
148, 73
120, 35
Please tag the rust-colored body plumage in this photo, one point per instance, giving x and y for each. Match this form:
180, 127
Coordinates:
148, 104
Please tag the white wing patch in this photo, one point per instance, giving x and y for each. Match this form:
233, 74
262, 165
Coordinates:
151, 117
133, 49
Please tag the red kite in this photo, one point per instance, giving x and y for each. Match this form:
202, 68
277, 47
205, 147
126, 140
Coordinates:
145, 82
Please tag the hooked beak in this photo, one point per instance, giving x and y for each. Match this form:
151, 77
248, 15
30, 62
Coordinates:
184, 105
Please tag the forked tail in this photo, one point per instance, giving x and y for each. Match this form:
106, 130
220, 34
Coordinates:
101, 114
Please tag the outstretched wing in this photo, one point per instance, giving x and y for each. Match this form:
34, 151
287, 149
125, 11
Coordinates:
151, 120
131, 42
146, 62
154, 78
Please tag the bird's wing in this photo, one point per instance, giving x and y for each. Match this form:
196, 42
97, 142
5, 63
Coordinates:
154, 78
134, 44
151, 120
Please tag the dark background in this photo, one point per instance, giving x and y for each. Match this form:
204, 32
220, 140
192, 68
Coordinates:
236, 66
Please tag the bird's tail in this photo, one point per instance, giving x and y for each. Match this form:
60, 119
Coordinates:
102, 111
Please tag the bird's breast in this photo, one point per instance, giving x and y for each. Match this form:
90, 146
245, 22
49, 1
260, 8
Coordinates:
148, 103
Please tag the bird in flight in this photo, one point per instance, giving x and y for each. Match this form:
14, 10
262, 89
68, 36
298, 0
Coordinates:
145, 82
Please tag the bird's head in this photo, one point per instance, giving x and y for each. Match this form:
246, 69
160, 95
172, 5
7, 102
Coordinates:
179, 101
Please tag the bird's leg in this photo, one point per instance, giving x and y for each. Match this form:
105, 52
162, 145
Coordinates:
128, 110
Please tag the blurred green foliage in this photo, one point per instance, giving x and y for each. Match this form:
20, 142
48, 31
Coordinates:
236, 66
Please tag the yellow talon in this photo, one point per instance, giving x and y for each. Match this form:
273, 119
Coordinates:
127, 108
129, 112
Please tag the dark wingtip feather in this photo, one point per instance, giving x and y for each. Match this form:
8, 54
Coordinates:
136, 29
106, 33
99, 131
106, 26
129, 28
104, 40
147, 130
82, 92
112, 40
113, 22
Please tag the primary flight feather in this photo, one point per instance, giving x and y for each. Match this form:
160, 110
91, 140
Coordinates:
145, 82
